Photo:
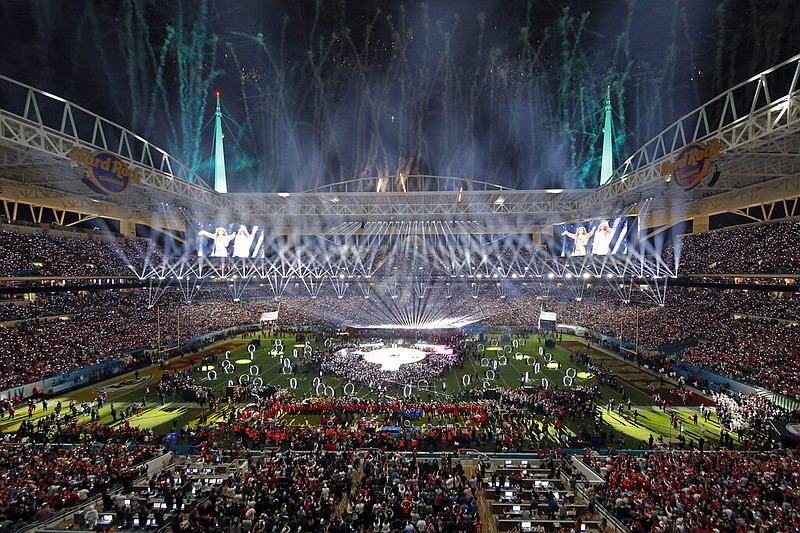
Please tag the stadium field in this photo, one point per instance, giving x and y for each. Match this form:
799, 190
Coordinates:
229, 363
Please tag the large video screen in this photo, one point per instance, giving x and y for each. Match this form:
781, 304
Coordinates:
607, 236
228, 240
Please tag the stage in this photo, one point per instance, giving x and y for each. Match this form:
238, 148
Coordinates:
391, 358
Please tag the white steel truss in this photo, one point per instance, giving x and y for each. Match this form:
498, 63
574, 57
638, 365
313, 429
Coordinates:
757, 123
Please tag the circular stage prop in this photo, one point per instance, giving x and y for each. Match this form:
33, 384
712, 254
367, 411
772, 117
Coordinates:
465, 380
212, 375
292, 383
351, 390
252, 349
571, 372
392, 358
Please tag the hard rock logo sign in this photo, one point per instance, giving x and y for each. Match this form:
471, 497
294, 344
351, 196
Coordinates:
691, 164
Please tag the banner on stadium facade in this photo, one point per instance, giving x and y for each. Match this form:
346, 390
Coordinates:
691, 164
270, 315
106, 172
547, 316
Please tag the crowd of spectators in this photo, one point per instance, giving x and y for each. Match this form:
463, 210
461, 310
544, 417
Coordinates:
45, 254
120, 323
756, 352
324, 490
281, 492
757, 249
348, 362
399, 493
41, 479
500, 419
747, 415
696, 491
185, 387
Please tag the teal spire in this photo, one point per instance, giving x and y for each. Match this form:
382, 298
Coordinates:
607, 166
220, 179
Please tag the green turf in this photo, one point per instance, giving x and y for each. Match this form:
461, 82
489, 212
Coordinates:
266, 365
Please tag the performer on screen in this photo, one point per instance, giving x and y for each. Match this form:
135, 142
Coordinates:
243, 241
221, 240
601, 244
581, 239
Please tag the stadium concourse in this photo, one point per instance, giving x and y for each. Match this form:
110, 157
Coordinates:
129, 405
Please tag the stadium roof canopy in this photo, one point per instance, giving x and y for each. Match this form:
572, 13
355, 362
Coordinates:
754, 127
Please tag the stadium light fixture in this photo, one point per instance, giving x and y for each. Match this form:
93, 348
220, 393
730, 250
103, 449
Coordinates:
554, 191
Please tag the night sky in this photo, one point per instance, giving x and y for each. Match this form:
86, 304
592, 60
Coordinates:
319, 92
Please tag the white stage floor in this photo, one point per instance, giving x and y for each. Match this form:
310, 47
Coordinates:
392, 358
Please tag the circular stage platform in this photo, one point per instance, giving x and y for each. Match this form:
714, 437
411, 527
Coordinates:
391, 358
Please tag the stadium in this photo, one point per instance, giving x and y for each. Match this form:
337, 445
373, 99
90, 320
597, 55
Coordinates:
399, 350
